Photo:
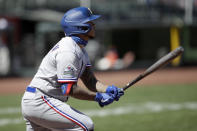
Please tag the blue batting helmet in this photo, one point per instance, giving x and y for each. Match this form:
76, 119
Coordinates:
75, 21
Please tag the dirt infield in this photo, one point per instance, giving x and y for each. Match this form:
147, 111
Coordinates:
165, 76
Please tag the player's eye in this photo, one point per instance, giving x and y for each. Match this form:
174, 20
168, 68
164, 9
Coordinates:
84, 28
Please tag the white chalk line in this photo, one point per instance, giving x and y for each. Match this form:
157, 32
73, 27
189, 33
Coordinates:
10, 110
10, 121
141, 108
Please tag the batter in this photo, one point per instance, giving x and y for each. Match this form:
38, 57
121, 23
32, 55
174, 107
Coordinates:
44, 104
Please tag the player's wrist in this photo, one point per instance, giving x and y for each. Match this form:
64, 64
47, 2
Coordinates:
100, 87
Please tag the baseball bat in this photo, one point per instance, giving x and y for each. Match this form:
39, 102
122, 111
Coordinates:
158, 64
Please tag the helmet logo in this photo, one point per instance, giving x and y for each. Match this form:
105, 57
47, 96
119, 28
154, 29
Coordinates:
90, 11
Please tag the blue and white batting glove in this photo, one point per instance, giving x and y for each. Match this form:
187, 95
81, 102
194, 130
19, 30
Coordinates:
104, 99
115, 92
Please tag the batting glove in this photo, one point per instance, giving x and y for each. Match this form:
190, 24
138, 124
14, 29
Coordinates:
103, 99
115, 92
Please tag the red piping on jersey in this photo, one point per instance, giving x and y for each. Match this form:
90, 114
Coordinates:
69, 86
66, 80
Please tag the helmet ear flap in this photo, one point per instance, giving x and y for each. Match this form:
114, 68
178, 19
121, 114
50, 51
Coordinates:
85, 28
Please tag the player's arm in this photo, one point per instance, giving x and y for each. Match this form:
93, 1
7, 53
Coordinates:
75, 91
71, 89
82, 93
91, 82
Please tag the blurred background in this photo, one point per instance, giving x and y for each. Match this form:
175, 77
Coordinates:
130, 34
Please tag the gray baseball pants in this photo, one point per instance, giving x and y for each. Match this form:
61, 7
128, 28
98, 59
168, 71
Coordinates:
44, 113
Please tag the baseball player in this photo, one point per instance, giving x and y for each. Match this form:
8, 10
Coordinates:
44, 104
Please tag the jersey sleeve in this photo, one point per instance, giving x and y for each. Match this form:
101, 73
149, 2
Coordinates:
67, 67
87, 59
66, 88
88, 64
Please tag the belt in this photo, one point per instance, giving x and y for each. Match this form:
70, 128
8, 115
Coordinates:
31, 89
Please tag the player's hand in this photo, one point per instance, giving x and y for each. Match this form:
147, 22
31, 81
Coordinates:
115, 92
104, 99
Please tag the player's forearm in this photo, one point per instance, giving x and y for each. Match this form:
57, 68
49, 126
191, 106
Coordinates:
100, 87
82, 93
91, 82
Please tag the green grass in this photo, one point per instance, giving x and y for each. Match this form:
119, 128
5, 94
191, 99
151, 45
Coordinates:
166, 120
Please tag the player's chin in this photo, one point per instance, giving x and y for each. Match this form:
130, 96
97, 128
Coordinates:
91, 36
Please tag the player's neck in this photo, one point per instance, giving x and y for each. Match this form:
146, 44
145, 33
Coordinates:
81, 46
83, 37
79, 41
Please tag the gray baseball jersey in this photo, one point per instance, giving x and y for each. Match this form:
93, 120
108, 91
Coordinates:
65, 62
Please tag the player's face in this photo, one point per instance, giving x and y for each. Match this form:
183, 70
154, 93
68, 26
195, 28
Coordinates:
91, 33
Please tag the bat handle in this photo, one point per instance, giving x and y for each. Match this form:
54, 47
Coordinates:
133, 82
